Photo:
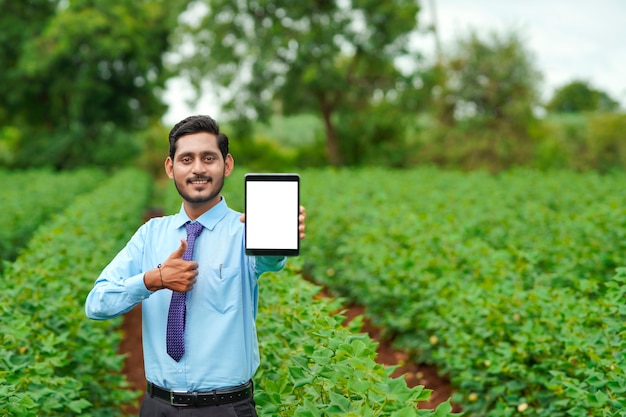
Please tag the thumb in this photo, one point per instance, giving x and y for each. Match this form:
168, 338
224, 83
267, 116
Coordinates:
179, 252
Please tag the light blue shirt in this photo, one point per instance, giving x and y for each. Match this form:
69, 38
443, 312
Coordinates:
221, 348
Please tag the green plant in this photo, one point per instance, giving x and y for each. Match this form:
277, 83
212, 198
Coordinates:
505, 282
30, 197
314, 366
53, 361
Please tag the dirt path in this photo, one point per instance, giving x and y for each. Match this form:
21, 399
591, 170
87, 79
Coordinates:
131, 346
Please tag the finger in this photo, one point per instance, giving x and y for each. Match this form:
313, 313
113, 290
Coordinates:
178, 253
301, 220
190, 284
242, 219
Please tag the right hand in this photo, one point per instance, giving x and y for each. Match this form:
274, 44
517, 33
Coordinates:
179, 274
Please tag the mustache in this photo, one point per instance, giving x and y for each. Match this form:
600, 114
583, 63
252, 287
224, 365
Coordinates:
200, 178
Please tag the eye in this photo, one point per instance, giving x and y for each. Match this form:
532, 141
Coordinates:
210, 158
185, 160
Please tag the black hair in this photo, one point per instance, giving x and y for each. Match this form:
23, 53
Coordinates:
196, 124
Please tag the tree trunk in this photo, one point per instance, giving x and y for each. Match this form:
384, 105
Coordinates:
333, 153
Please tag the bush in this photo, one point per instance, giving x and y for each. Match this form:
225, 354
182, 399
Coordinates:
583, 141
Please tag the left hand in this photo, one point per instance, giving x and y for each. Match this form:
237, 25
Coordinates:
301, 221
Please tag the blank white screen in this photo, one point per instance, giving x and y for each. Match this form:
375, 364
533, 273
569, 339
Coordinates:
272, 215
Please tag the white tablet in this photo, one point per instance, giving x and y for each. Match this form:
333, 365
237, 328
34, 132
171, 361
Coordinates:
272, 207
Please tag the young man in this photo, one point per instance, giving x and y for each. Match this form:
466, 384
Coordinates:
197, 287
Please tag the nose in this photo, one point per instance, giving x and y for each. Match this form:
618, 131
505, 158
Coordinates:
198, 167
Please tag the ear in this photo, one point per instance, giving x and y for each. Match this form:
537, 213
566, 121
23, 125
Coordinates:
169, 167
229, 164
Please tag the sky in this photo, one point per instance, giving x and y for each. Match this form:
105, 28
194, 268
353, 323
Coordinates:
569, 40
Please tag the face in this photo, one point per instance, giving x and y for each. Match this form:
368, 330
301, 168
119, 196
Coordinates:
198, 170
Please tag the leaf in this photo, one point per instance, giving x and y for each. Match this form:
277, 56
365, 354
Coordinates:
443, 410
77, 406
299, 377
339, 401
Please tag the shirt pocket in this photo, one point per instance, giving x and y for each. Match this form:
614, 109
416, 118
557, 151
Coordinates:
222, 289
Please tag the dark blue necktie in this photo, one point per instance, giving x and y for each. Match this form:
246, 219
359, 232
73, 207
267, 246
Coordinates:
175, 336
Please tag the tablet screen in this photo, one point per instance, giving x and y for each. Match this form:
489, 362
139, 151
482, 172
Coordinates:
272, 210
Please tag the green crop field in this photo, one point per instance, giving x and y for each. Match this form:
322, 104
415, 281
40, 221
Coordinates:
511, 284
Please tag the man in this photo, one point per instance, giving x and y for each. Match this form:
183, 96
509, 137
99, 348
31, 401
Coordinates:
199, 334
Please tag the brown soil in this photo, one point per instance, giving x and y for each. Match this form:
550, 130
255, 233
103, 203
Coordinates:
415, 374
131, 347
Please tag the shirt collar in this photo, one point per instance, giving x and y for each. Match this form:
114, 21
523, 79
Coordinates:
209, 219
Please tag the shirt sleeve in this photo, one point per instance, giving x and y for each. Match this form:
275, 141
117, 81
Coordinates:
268, 264
120, 286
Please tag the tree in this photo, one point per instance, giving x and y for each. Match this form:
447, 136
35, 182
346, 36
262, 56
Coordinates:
20, 22
486, 102
492, 79
82, 74
579, 96
323, 57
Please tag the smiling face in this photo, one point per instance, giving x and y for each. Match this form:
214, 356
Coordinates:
198, 170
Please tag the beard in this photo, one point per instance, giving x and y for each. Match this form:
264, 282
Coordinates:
214, 192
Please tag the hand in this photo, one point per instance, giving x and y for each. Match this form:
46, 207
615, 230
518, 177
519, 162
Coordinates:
177, 273
301, 221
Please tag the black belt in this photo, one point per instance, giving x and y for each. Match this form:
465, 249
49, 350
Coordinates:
215, 397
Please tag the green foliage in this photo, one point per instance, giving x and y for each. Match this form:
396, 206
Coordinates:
377, 137
293, 131
484, 105
155, 149
322, 58
53, 361
492, 79
590, 141
84, 73
262, 155
282, 144
506, 283
10, 137
579, 96
29, 198
312, 365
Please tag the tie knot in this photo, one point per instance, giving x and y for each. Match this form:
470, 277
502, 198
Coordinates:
193, 229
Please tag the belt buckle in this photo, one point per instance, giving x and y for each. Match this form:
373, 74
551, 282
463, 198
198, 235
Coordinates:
177, 396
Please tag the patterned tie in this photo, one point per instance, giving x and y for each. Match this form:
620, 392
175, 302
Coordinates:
175, 336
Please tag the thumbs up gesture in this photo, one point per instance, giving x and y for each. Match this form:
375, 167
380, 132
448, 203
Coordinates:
174, 273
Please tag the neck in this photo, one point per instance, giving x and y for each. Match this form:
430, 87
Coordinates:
195, 210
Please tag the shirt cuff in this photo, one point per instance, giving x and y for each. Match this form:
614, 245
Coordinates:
136, 287
269, 263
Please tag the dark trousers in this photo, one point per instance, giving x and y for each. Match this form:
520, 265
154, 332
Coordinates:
154, 407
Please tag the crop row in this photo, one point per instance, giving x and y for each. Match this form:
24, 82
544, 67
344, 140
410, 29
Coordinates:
510, 284
53, 361
313, 366
30, 197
